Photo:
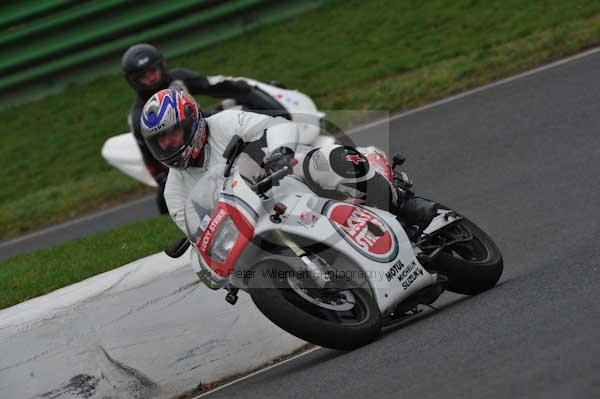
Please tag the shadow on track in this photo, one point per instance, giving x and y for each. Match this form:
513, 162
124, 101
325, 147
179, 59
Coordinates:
428, 312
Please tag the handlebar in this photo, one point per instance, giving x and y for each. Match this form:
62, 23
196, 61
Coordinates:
234, 149
267, 183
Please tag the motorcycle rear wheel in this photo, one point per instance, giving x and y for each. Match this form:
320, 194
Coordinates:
342, 319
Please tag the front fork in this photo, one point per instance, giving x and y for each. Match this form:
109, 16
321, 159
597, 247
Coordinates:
319, 271
313, 265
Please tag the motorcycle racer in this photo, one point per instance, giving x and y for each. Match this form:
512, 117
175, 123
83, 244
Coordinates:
178, 134
145, 70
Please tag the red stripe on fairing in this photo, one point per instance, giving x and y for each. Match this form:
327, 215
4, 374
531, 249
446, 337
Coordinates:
380, 162
204, 243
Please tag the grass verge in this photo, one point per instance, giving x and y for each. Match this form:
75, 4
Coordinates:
27, 276
356, 55
382, 54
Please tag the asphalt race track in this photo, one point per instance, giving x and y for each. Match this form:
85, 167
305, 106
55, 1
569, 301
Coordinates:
522, 160
96, 222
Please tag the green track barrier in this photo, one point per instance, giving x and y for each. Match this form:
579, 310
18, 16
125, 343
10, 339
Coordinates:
236, 27
19, 11
68, 16
94, 30
121, 44
200, 28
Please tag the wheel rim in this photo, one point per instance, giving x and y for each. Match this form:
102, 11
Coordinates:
342, 302
474, 250
342, 307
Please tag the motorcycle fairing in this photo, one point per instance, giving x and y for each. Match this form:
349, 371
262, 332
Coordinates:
391, 282
226, 209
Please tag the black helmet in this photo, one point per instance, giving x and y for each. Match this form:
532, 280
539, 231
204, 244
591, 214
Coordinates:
137, 61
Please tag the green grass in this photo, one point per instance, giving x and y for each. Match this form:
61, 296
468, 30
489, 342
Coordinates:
347, 55
27, 276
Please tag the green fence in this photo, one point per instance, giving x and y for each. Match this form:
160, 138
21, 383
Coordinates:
46, 45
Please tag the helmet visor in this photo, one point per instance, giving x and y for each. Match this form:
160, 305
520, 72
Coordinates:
149, 76
171, 142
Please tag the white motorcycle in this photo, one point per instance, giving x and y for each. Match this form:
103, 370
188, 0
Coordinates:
329, 272
123, 153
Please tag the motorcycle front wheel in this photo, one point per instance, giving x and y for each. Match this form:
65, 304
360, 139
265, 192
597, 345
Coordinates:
341, 319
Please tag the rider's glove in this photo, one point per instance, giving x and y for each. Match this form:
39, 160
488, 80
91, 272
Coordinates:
279, 158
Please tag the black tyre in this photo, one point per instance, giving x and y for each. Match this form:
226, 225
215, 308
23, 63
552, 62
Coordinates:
339, 319
473, 266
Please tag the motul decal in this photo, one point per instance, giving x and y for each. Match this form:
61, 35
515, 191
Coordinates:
364, 230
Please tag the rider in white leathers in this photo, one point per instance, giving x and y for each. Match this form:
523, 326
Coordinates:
222, 127
145, 70
179, 136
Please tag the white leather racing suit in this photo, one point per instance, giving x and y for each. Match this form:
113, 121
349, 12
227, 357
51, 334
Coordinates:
332, 171
263, 134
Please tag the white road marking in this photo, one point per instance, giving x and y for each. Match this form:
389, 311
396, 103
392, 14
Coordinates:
131, 204
478, 89
256, 373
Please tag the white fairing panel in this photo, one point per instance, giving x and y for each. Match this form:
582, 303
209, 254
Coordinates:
442, 219
394, 273
301, 107
123, 153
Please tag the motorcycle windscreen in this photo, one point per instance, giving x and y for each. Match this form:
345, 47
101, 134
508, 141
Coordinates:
200, 206
218, 229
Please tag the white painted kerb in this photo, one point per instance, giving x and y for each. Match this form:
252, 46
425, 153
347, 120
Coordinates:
147, 329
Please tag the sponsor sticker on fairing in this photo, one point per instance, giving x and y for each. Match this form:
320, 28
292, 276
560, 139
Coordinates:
307, 218
210, 231
205, 222
407, 275
364, 230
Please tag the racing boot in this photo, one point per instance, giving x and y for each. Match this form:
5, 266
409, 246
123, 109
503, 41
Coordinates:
342, 172
415, 211
408, 209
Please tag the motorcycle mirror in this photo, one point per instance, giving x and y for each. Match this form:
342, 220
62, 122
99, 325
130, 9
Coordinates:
398, 160
178, 248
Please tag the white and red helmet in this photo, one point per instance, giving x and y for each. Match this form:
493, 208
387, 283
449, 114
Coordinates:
173, 127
